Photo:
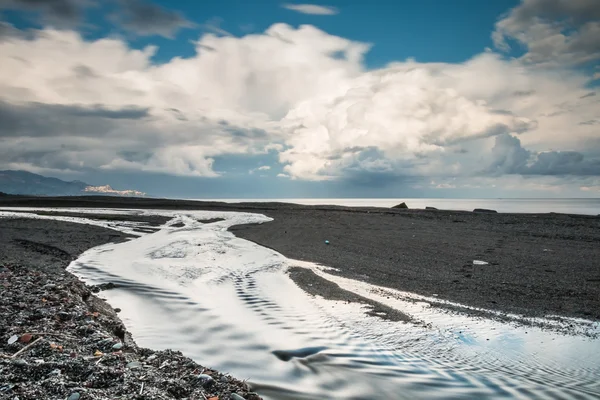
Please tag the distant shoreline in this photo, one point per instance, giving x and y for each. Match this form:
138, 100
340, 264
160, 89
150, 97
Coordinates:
572, 206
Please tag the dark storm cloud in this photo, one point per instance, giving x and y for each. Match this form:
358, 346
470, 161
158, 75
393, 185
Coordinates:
37, 119
146, 18
55, 12
509, 157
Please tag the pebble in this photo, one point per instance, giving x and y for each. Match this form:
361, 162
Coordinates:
235, 396
134, 365
205, 380
64, 316
117, 346
74, 396
152, 357
13, 339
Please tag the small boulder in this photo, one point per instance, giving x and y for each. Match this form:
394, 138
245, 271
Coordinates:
484, 210
401, 205
430, 208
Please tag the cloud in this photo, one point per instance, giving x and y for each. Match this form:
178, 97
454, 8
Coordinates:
55, 12
146, 19
509, 157
433, 119
68, 102
262, 168
311, 9
552, 31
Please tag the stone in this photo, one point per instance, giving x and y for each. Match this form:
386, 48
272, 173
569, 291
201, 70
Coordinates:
205, 380
134, 365
117, 346
430, 208
401, 205
485, 210
74, 396
235, 396
13, 339
64, 316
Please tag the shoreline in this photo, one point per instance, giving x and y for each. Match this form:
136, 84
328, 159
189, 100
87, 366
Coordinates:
60, 340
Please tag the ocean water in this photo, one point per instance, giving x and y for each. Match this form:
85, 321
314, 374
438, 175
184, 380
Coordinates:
228, 304
567, 206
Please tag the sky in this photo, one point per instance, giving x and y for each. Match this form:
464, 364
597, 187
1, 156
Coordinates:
271, 99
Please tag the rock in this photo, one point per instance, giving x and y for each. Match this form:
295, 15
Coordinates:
74, 396
430, 208
401, 205
484, 210
235, 396
134, 365
13, 339
64, 316
118, 310
117, 346
205, 380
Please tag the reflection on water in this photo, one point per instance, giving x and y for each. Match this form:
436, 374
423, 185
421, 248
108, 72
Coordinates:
228, 304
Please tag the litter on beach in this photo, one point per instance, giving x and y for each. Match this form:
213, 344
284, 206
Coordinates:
479, 262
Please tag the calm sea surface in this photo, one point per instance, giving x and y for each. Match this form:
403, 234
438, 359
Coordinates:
568, 206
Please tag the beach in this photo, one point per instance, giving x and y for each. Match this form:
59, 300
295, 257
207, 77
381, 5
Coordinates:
482, 264
533, 264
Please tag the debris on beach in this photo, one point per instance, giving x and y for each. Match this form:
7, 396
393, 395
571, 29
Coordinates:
59, 341
480, 262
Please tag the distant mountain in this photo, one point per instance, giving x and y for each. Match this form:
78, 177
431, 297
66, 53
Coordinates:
23, 182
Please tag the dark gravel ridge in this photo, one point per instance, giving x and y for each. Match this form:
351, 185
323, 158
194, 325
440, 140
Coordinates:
78, 347
539, 264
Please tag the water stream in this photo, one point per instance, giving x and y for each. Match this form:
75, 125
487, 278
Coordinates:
228, 304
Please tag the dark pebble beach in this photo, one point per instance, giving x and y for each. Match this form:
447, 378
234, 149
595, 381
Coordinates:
535, 265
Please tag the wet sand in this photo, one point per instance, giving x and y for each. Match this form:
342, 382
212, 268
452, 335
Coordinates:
537, 264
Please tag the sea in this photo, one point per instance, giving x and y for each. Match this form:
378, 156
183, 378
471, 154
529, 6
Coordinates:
587, 206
